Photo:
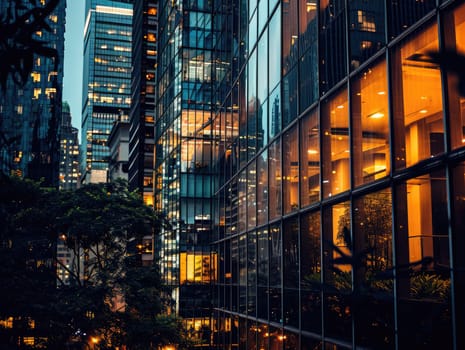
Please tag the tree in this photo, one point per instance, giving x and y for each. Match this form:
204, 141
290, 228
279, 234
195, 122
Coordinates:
110, 297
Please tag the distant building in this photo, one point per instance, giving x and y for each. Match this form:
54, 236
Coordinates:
30, 116
118, 142
106, 81
142, 113
69, 152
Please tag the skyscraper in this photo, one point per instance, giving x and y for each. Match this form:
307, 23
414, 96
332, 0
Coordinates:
106, 81
142, 114
341, 200
30, 115
69, 152
184, 143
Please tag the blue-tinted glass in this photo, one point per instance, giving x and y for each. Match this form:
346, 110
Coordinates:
274, 31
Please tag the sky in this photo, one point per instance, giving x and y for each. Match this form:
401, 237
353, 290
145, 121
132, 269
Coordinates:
72, 81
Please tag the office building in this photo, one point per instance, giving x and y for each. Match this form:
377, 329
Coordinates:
184, 172
30, 114
142, 113
69, 152
106, 81
340, 201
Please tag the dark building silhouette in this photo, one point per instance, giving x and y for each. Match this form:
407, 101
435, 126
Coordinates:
30, 115
142, 113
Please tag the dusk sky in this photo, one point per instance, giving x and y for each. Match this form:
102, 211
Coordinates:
72, 90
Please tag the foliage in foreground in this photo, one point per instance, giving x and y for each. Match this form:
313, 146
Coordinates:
111, 297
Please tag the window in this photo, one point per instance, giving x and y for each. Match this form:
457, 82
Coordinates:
310, 271
337, 276
275, 179
417, 107
335, 143
422, 254
262, 188
372, 245
370, 125
309, 159
291, 170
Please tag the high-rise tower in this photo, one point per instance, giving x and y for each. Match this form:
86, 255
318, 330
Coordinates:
106, 81
30, 115
185, 140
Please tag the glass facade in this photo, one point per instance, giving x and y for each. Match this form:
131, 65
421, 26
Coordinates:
185, 142
30, 115
106, 81
339, 203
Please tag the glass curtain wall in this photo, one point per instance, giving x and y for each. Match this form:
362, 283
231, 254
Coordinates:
343, 200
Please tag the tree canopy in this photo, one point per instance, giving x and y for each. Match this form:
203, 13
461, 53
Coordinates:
104, 292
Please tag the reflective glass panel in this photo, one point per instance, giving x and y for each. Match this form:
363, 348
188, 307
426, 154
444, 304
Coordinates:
290, 34
310, 274
367, 36
335, 143
404, 13
337, 271
291, 271
251, 195
418, 117
275, 179
370, 125
291, 170
262, 188
372, 246
333, 55
423, 259
309, 159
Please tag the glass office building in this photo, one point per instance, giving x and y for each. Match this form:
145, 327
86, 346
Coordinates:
106, 81
30, 115
184, 143
339, 210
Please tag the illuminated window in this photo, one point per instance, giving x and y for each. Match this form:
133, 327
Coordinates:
197, 268
152, 11
37, 92
370, 125
7, 323
335, 142
53, 18
310, 159
28, 341
290, 171
418, 117
35, 77
19, 109
151, 37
